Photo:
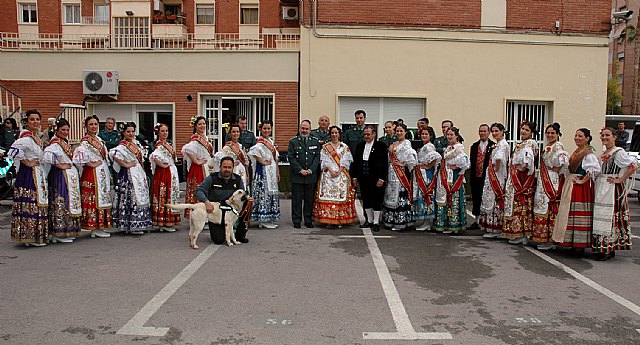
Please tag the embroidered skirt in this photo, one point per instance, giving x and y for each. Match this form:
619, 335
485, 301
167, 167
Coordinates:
160, 196
401, 216
580, 218
620, 236
61, 222
520, 223
195, 176
93, 218
335, 212
29, 223
126, 214
454, 217
266, 206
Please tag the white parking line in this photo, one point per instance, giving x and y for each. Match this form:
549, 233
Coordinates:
403, 325
612, 295
634, 236
135, 326
470, 214
362, 236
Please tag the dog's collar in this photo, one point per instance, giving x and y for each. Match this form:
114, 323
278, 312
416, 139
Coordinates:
230, 208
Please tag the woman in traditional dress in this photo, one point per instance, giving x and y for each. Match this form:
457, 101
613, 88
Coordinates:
574, 222
95, 180
131, 211
197, 153
493, 193
553, 164
30, 222
398, 194
611, 220
424, 183
266, 175
334, 203
450, 201
520, 188
166, 186
65, 205
235, 150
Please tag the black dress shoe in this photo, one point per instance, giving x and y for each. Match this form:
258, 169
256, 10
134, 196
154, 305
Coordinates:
297, 225
473, 226
243, 240
365, 225
375, 227
308, 225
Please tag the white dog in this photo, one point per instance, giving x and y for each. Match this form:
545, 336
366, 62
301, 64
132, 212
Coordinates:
199, 217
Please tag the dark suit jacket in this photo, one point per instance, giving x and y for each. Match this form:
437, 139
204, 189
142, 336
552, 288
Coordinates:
474, 158
378, 161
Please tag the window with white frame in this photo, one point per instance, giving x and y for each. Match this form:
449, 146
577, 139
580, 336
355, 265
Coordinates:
205, 14
28, 13
381, 109
71, 14
101, 14
518, 111
249, 14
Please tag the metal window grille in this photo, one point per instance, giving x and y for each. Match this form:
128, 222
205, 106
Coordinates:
75, 114
131, 32
518, 111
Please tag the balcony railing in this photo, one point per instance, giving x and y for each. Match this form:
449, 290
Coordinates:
95, 20
187, 41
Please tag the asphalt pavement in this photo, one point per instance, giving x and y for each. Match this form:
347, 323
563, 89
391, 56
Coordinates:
313, 286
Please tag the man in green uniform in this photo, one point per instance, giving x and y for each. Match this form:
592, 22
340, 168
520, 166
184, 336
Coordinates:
111, 137
390, 136
322, 132
247, 138
355, 135
304, 157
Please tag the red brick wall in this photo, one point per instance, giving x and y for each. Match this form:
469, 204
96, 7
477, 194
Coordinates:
227, 16
49, 16
433, 13
584, 16
46, 96
86, 9
8, 16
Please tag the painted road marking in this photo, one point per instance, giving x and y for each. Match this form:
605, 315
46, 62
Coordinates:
470, 214
403, 325
612, 295
362, 236
634, 236
135, 326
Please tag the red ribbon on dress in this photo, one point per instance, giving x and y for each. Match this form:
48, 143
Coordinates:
240, 154
203, 141
495, 185
427, 190
547, 185
336, 157
64, 145
404, 180
133, 148
450, 189
168, 147
34, 137
97, 144
522, 190
270, 146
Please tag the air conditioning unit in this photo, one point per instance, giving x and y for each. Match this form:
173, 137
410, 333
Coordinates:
100, 82
289, 13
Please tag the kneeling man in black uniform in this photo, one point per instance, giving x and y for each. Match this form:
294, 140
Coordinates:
218, 187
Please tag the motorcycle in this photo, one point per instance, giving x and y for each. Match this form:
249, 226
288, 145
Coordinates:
7, 175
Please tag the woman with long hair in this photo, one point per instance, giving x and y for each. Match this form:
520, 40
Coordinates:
520, 188
65, 204
197, 153
234, 149
493, 193
611, 220
574, 222
131, 211
553, 164
335, 202
424, 183
398, 195
165, 188
450, 201
95, 180
29, 222
266, 175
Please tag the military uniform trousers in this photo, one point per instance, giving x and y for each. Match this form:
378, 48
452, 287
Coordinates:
302, 196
